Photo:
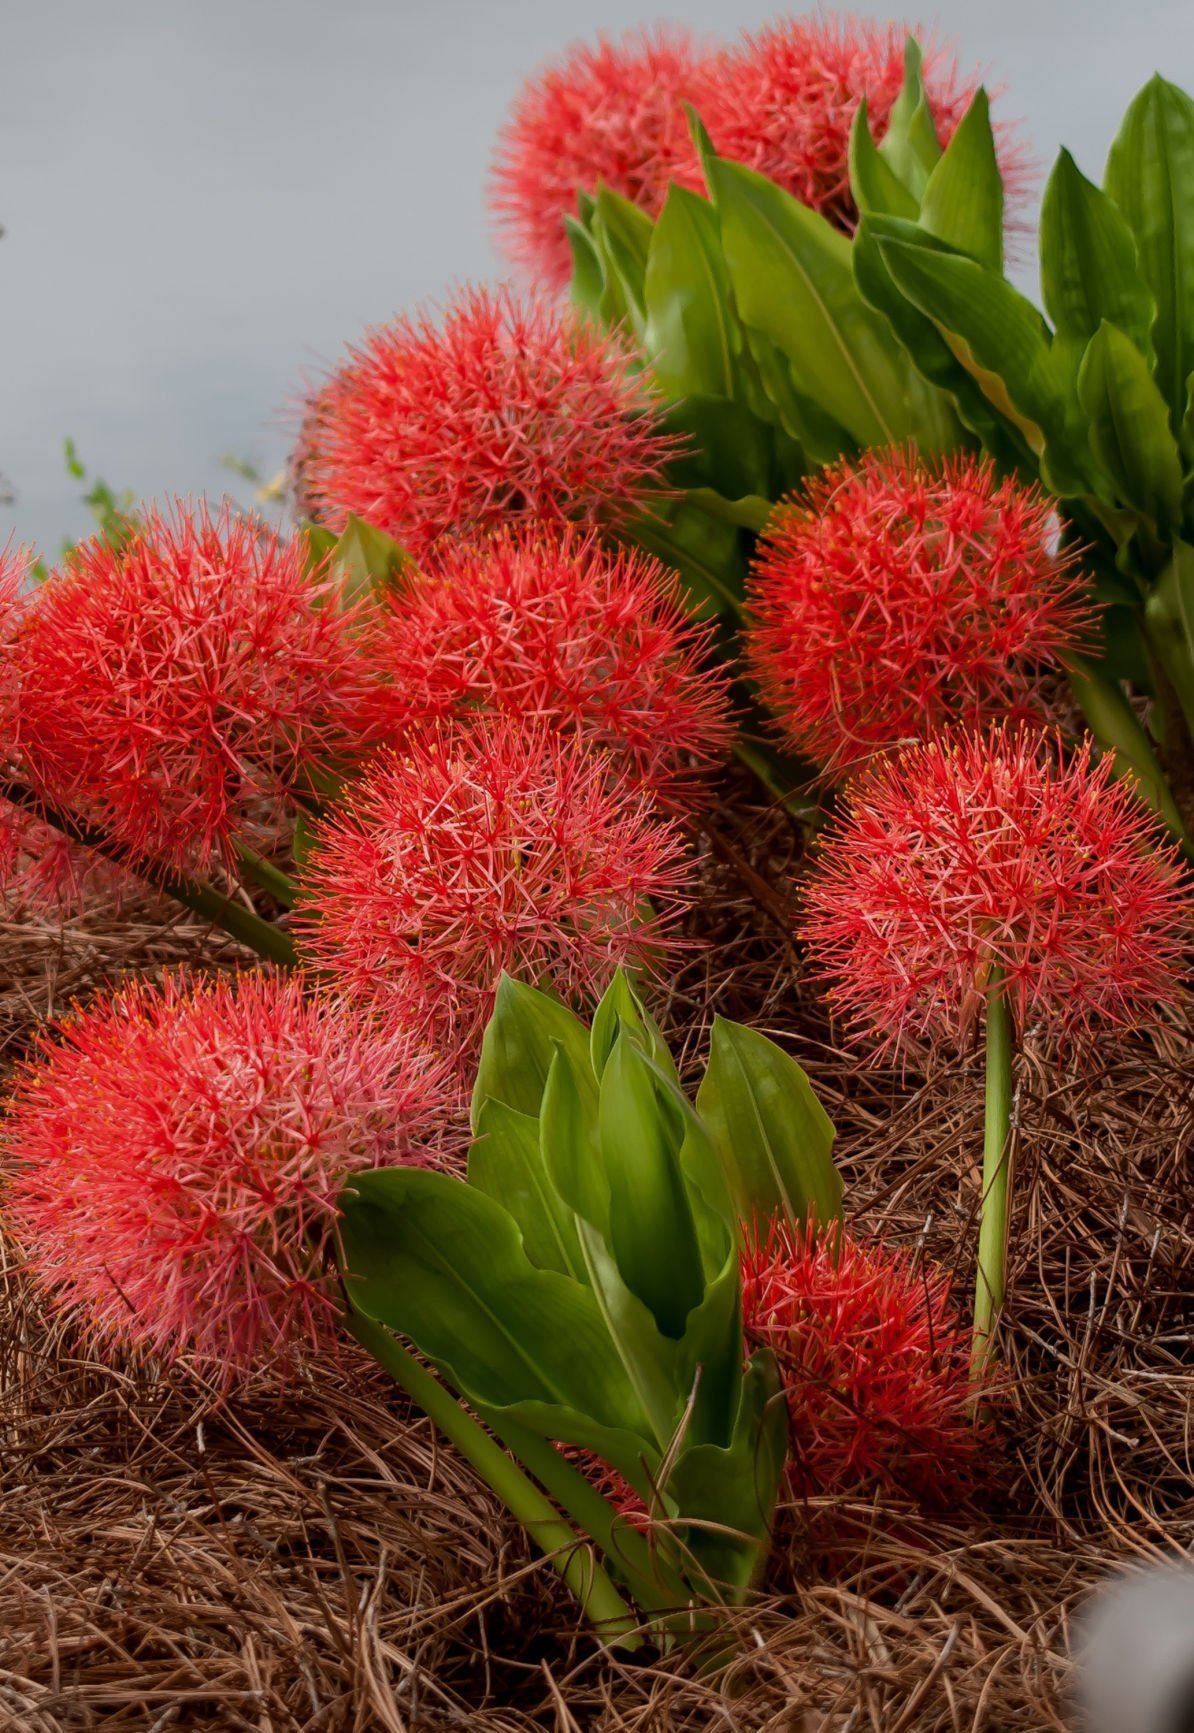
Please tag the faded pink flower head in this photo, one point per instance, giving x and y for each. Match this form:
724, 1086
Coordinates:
506, 409
177, 1154
558, 628
992, 851
501, 846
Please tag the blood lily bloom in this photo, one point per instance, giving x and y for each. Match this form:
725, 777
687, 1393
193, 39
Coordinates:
508, 409
476, 850
610, 114
988, 879
874, 1363
890, 600
178, 1152
783, 102
560, 629
167, 684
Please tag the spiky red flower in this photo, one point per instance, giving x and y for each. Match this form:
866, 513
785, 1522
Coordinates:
504, 846
167, 682
874, 1361
990, 851
178, 1153
783, 102
507, 409
605, 113
890, 599
559, 628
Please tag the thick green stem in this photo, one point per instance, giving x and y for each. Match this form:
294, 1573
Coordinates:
266, 876
568, 1553
222, 911
992, 1231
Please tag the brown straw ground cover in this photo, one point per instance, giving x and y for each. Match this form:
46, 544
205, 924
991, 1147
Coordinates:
315, 1560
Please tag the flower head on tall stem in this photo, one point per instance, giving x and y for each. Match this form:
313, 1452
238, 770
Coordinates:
555, 627
783, 101
167, 684
506, 409
608, 113
890, 599
503, 845
178, 1151
992, 851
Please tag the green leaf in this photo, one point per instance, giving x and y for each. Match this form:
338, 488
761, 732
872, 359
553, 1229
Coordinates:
652, 1233
519, 1045
1089, 268
792, 281
727, 448
750, 511
1187, 429
372, 561
956, 391
319, 546
730, 1493
621, 233
1150, 175
506, 1164
1129, 427
910, 145
963, 200
687, 299
874, 183
1118, 730
708, 555
1002, 341
621, 1009
774, 1138
442, 1263
587, 285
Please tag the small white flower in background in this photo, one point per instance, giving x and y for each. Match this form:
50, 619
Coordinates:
1136, 1655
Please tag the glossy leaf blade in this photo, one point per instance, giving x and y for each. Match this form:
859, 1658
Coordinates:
506, 1164
1129, 427
686, 294
519, 1045
963, 201
1089, 268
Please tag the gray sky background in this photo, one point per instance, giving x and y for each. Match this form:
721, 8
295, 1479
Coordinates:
204, 201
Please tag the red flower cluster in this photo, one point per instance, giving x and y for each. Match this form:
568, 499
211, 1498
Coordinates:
890, 600
503, 846
608, 114
875, 1366
561, 630
179, 1152
506, 410
956, 858
167, 683
783, 102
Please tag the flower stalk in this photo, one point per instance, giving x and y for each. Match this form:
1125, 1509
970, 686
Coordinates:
991, 1280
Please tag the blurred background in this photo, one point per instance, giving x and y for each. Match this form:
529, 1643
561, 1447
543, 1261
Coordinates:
203, 202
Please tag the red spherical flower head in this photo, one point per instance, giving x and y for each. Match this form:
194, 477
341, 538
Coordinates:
557, 627
503, 846
167, 683
874, 1363
783, 102
508, 409
991, 852
178, 1154
606, 113
890, 600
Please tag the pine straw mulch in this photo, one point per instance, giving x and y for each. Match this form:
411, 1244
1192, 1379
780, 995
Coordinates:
313, 1560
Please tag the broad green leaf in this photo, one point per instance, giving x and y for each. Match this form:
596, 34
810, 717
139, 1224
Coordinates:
708, 555
727, 448
587, 285
1002, 341
621, 1009
687, 297
736, 1488
319, 545
910, 144
1118, 730
438, 1261
709, 1354
769, 384
1089, 269
750, 512
1150, 175
652, 1233
505, 1162
792, 280
1169, 620
622, 235
519, 1045
1188, 421
372, 561
876, 186
963, 200
1129, 427
774, 1138
957, 397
